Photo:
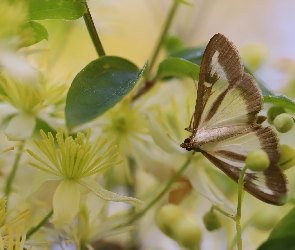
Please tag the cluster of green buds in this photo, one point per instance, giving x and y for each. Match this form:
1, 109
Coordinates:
283, 123
173, 222
257, 160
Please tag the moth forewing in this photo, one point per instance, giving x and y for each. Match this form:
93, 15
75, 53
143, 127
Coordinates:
225, 126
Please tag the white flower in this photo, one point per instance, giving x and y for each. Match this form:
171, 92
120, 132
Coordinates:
25, 102
71, 165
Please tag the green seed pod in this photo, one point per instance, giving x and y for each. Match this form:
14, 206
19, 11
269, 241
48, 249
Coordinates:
257, 160
167, 217
173, 222
188, 234
283, 123
287, 159
211, 221
273, 112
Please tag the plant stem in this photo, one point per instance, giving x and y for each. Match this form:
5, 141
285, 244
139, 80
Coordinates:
162, 37
239, 208
42, 223
92, 32
145, 88
234, 242
223, 212
164, 191
11, 177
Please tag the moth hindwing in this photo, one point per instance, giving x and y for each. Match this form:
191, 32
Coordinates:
224, 125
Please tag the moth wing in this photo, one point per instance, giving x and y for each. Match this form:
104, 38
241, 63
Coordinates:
226, 95
229, 156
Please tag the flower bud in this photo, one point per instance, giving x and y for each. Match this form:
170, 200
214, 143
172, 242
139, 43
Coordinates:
172, 221
265, 219
188, 234
168, 217
211, 221
273, 112
287, 159
283, 123
257, 160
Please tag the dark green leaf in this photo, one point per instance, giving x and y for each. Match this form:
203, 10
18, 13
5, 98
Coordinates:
177, 67
193, 55
283, 234
283, 243
56, 9
40, 32
281, 101
98, 87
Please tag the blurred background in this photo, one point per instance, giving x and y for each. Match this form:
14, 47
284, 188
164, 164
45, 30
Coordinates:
131, 28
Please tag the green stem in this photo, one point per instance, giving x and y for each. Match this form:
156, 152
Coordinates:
11, 177
239, 208
220, 210
164, 191
234, 242
92, 32
163, 35
42, 223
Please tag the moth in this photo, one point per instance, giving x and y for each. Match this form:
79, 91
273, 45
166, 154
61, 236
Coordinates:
225, 125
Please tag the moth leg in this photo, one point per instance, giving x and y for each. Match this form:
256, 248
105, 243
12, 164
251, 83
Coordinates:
189, 128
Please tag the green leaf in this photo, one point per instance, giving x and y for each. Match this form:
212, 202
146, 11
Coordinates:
281, 101
282, 236
40, 32
172, 43
98, 87
177, 67
193, 55
56, 9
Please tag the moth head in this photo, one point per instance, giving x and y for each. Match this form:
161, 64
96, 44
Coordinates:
187, 144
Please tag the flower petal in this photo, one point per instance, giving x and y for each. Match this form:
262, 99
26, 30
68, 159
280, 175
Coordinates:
40, 179
53, 122
65, 202
108, 195
153, 160
20, 127
17, 66
202, 185
6, 109
161, 138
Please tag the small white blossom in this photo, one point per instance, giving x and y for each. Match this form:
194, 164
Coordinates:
72, 164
